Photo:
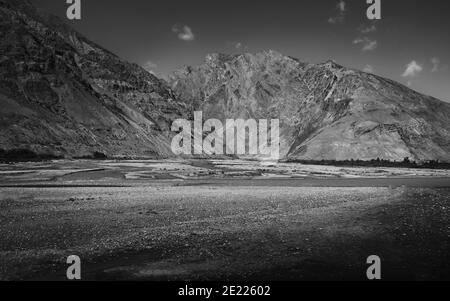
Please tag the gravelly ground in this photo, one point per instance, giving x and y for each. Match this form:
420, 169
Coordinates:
162, 232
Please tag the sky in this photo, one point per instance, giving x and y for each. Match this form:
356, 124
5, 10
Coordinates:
410, 44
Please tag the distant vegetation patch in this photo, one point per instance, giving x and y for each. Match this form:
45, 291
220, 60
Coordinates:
94, 156
406, 163
24, 155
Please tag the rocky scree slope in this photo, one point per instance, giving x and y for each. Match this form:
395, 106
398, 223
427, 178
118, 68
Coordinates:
326, 111
62, 94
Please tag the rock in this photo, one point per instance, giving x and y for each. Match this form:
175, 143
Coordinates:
326, 111
62, 94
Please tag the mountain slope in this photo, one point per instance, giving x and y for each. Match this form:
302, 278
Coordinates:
326, 111
62, 94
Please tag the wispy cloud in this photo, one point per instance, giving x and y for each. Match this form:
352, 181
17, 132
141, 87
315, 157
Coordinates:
367, 43
239, 46
183, 32
150, 66
367, 29
368, 69
341, 9
412, 69
437, 66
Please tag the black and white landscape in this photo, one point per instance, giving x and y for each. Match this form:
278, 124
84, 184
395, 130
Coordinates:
87, 167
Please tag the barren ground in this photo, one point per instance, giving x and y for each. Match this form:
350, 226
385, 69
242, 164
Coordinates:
244, 228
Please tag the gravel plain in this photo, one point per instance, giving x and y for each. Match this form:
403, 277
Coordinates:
224, 233
227, 229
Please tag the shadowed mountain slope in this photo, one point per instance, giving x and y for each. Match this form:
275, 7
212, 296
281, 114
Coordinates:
62, 94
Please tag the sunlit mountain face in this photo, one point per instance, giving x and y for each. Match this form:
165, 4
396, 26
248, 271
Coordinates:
326, 111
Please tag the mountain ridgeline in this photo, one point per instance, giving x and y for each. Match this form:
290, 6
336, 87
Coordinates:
326, 111
61, 94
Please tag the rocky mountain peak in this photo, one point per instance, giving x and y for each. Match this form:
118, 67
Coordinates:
326, 110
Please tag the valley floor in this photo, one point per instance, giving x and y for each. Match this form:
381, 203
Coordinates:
201, 221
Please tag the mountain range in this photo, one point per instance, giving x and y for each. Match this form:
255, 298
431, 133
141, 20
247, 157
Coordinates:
326, 111
62, 94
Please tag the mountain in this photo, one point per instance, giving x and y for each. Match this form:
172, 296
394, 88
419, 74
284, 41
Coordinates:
61, 94
326, 111
64, 95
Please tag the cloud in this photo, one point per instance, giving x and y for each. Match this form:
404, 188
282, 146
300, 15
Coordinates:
437, 66
412, 69
184, 32
341, 8
367, 29
150, 67
368, 69
367, 43
239, 46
